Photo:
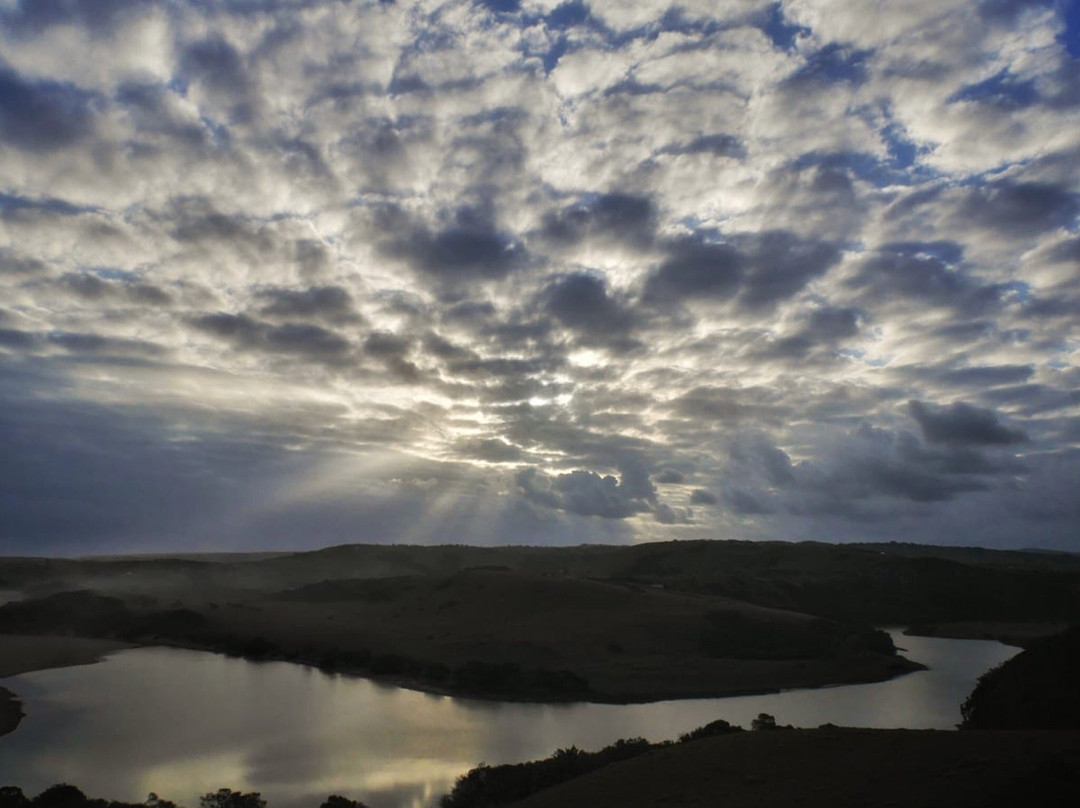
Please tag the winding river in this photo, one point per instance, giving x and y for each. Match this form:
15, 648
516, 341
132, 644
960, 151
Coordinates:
182, 723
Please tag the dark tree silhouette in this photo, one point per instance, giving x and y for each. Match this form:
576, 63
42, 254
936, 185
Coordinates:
13, 797
337, 801
227, 798
61, 795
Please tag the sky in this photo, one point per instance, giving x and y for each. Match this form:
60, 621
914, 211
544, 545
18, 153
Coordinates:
291, 273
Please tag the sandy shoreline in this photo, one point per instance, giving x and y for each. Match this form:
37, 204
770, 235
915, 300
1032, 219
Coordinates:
23, 654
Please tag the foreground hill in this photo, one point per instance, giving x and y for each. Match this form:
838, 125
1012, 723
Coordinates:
830, 767
1037, 689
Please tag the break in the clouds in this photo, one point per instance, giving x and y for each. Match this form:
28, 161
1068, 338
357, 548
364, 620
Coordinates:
294, 272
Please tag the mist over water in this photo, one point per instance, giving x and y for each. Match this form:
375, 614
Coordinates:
182, 723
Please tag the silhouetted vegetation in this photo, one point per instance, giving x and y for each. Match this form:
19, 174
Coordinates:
1037, 689
63, 795
498, 785
227, 798
486, 786
718, 727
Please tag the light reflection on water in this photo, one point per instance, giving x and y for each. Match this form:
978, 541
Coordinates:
182, 723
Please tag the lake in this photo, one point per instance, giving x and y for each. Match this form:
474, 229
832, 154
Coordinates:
182, 723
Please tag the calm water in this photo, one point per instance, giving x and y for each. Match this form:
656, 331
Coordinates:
182, 723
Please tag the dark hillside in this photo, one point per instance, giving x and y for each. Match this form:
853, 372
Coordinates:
1037, 689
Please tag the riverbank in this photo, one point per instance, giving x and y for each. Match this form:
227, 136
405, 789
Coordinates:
1013, 633
11, 712
830, 766
23, 654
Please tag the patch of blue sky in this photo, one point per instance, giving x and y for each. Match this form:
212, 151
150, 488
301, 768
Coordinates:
832, 64
13, 203
898, 169
1004, 90
782, 33
1070, 34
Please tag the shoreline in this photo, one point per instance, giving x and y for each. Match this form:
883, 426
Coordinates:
1015, 633
901, 666
11, 711
21, 654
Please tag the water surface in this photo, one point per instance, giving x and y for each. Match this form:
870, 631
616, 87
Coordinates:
182, 723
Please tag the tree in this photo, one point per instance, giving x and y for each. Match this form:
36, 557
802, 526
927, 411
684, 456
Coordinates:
61, 795
12, 797
337, 801
764, 721
227, 798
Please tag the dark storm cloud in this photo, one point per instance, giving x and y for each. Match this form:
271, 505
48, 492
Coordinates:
244, 333
747, 504
768, 461
760, 269
14, 263
906, 270
719, 144
124, 478
1066, 251
1021, 209
699, 496
470, 248
980, 378
196, 220
894, 466
713, 405
669, 476
98, 345
31, 16
581, 302
1035, 399
215, 62
963, 424
43, 115
782, 265
831, 324
493, 450
19, 340
617, 216
330, 303
134, 291
696, 268
589, 494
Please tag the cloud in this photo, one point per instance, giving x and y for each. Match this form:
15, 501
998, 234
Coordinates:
563, 263
244, 333
760, 269
43, 115
963, 424
699, 496
330, 303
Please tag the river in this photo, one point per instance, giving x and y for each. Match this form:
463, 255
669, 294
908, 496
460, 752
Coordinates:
183, 723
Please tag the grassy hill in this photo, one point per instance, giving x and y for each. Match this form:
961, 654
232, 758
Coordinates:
830, 767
